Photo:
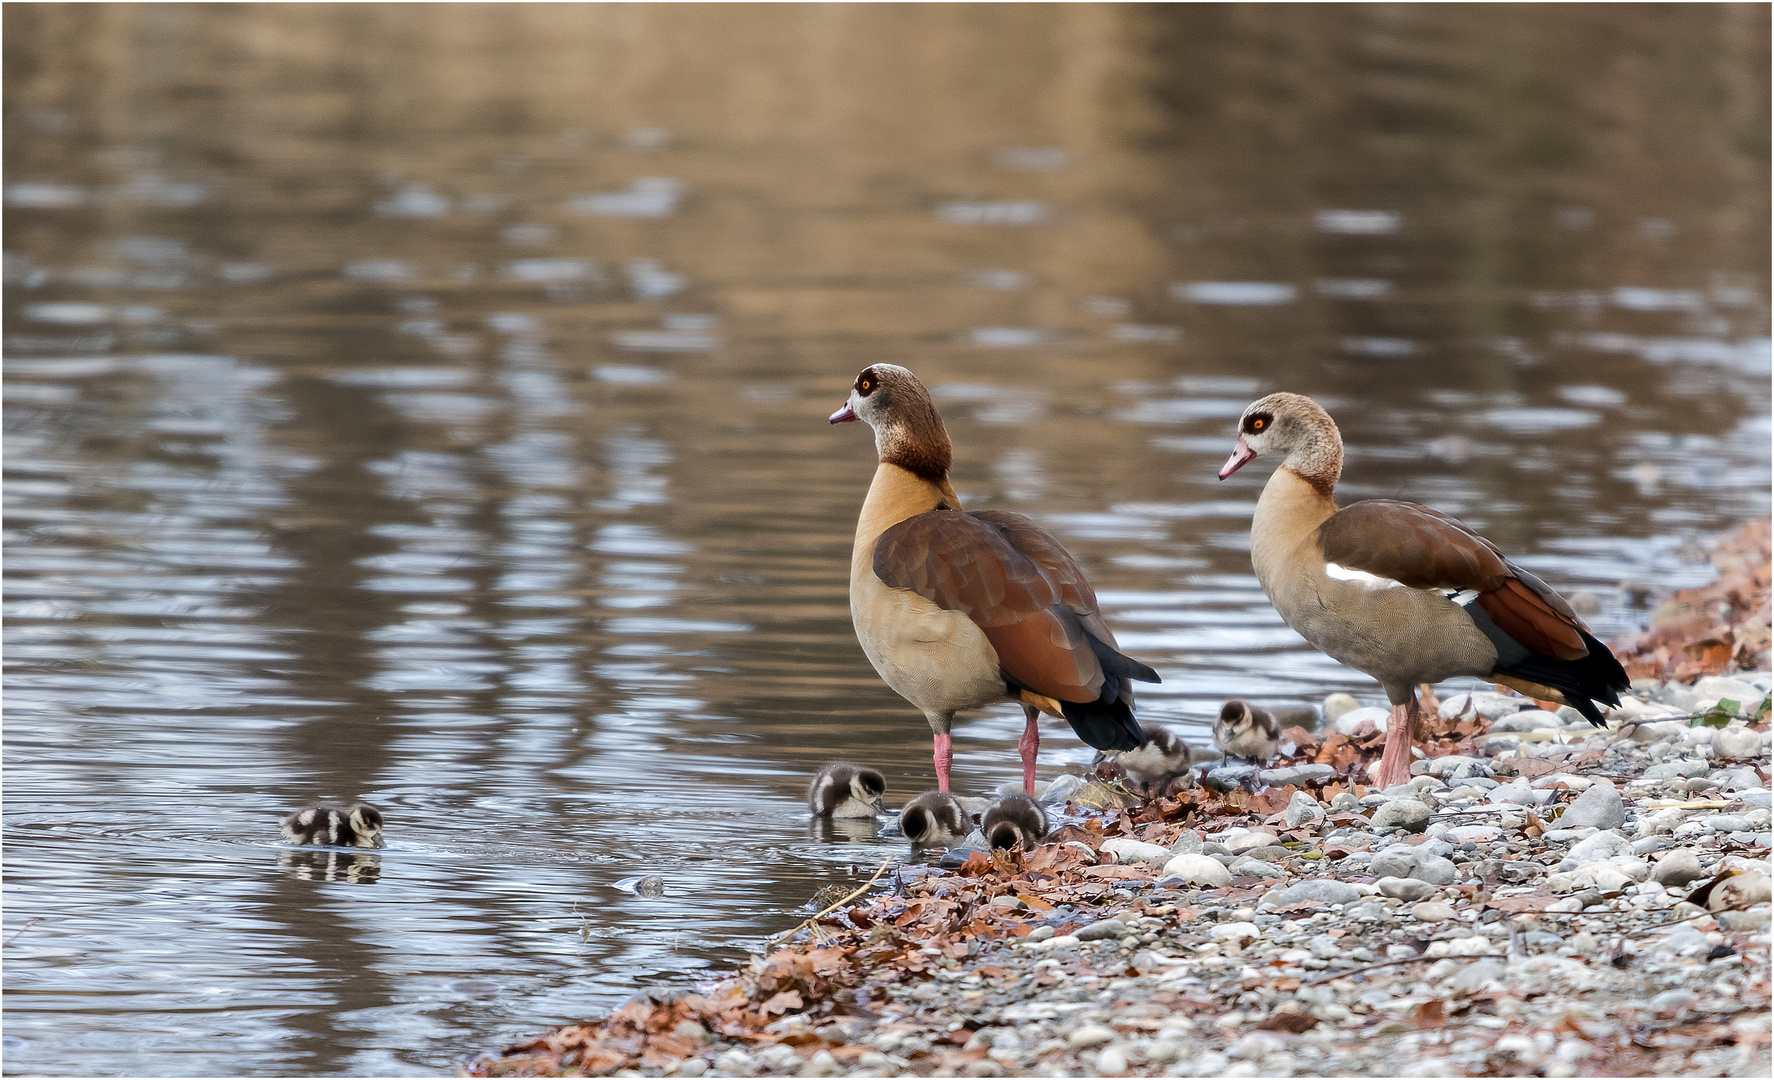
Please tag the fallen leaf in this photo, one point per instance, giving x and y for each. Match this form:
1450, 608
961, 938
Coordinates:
781, 1003
1294, 1023
1430, 1014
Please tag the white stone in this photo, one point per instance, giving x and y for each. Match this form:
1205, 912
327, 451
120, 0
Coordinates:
1257, 1044
1338, 705
1130, 851
1349, 721
1235, 931
1603, 845
1246, 840
1736, 741
1198, 869
1092, 1035
1714, 687
1740, 891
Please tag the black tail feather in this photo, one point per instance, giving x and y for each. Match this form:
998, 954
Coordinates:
1106, 723
1116, 663
1596, 677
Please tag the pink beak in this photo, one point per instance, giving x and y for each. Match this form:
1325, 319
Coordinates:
844, 415
1241, 455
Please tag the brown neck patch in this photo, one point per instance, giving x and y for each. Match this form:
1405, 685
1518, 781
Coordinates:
911, 436
1323, 483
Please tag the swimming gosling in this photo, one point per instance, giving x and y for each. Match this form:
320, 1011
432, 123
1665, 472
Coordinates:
1246, 732
1160, 760
843, 790
935, 819
1014, 821
360, 826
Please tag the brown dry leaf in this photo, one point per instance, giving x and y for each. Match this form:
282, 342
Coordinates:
1067, 833
1294, 1023
783, 1002
1430, 1014
1117, 873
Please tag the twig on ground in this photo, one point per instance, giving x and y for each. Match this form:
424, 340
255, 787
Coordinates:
816, 916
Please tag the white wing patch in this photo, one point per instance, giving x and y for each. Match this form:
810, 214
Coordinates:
1360, 577
1463, 597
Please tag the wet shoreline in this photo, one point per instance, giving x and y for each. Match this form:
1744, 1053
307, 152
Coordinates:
1543, 897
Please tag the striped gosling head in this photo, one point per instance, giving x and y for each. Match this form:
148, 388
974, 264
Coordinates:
1015, 821
935, 819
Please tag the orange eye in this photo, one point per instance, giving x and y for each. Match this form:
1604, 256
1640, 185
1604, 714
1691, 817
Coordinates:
1258, 424
865, 385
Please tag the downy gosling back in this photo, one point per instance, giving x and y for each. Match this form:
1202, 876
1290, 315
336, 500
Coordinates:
1246, 732
843, 790
1161, 760
360, 826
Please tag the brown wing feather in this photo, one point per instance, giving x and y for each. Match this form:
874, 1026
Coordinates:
1525, 616
1413, 545
1426, 549
1015, 582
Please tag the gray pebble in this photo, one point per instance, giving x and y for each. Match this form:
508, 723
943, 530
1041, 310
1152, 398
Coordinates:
1406, 814
1246, 866
1296, 775
1188, 843
1473, 976
1676, 867
1406, 889
1598, 807
1669, 770
1316, 890
1107, 928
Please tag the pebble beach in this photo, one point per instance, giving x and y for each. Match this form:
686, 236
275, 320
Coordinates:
1543, 898
1564, 901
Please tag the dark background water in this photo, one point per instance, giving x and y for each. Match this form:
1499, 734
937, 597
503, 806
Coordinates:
427, 405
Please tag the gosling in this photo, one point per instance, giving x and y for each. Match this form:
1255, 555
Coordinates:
1014, 821
843, 790
1246, 732
935, 819
1157, 763
360, 826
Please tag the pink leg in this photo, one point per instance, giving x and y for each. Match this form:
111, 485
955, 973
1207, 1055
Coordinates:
1030, 745
1395, 762
945, 756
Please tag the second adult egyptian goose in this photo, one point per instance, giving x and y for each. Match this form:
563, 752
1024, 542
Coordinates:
959, 609
1402, 592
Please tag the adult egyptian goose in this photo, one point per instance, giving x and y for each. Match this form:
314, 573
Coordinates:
1245, 731
1402, 592
959, 609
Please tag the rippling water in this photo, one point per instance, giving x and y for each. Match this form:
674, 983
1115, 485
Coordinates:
427, 405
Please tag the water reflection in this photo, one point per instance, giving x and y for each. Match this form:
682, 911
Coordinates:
444, 428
